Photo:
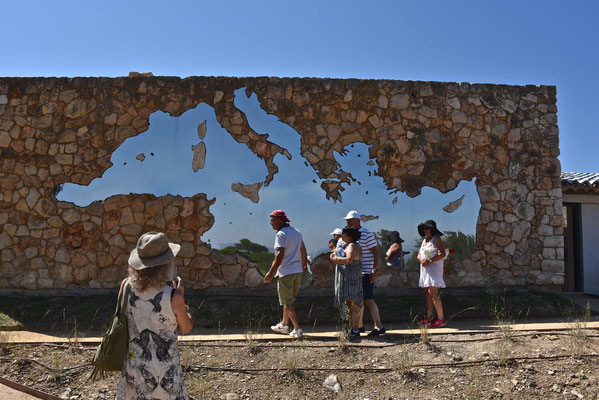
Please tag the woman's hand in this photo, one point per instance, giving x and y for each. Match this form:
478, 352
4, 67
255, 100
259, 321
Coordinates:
373, 275
178, 285
425, 262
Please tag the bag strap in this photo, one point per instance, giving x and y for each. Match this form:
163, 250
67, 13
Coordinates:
123, 298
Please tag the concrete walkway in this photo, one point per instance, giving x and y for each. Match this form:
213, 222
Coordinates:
209, 335
12, 394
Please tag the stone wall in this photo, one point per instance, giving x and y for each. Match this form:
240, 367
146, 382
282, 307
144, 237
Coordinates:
57, 130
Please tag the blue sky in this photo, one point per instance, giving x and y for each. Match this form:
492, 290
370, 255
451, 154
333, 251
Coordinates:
511, 42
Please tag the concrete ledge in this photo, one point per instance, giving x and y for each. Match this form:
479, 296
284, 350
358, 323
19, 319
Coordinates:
212, 335
271, 292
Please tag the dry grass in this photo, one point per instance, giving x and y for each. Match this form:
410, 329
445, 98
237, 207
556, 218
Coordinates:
503, 351
405, 362
292, 363
578, 338
424, 334
3, 340
250, 342
200, 387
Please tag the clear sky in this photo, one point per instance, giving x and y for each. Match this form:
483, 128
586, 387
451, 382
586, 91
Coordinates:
508, 42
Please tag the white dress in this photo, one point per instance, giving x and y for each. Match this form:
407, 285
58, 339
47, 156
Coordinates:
152, 369
432, 274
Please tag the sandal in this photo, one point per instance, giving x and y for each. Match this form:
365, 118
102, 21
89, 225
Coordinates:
438, 323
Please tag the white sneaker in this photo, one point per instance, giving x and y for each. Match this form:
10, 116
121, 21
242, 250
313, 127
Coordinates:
280, 328
297, 333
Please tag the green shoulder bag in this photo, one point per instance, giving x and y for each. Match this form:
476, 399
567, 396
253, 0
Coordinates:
111, 353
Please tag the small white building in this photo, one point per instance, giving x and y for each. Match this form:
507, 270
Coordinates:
581, 232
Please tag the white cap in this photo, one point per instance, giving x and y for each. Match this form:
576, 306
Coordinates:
337, 231
352, 214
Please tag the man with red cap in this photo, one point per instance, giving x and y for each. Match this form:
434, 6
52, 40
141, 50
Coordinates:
288, 266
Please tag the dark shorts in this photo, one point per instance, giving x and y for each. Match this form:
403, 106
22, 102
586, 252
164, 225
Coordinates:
367, 287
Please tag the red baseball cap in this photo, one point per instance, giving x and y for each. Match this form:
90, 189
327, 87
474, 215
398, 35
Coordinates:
280, 214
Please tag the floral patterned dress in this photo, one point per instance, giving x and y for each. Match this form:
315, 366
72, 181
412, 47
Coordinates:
152, 369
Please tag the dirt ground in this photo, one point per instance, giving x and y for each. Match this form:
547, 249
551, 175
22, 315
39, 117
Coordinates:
499, 365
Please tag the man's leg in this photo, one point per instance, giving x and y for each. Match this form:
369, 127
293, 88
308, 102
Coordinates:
374, 312
283, 292
366, 294
289, 289
285, 320
289, 311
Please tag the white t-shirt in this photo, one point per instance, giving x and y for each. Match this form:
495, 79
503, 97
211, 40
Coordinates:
290, 239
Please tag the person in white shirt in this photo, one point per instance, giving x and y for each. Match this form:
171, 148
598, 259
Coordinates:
288, 266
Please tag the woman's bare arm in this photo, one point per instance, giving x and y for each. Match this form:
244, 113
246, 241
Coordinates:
351, 254
184, 321
394, 247
438, 243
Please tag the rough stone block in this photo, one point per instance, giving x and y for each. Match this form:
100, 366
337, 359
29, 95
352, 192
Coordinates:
552, 265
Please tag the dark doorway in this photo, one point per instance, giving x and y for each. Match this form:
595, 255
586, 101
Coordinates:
572, 249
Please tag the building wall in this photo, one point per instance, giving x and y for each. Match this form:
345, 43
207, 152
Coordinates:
57, 130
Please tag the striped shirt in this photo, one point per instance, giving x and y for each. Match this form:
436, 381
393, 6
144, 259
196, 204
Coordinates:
367, 242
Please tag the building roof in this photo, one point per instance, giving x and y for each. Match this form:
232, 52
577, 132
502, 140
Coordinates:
577, 182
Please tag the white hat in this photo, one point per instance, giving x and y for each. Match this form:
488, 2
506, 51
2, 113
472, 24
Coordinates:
337, 231
352, 215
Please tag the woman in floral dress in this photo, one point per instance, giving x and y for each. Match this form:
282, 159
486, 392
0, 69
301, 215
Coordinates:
155, 310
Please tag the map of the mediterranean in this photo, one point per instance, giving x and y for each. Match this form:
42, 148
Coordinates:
193, 154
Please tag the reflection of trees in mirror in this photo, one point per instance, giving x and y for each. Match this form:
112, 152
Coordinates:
247, 246
412, 262
252, 251
463, 244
